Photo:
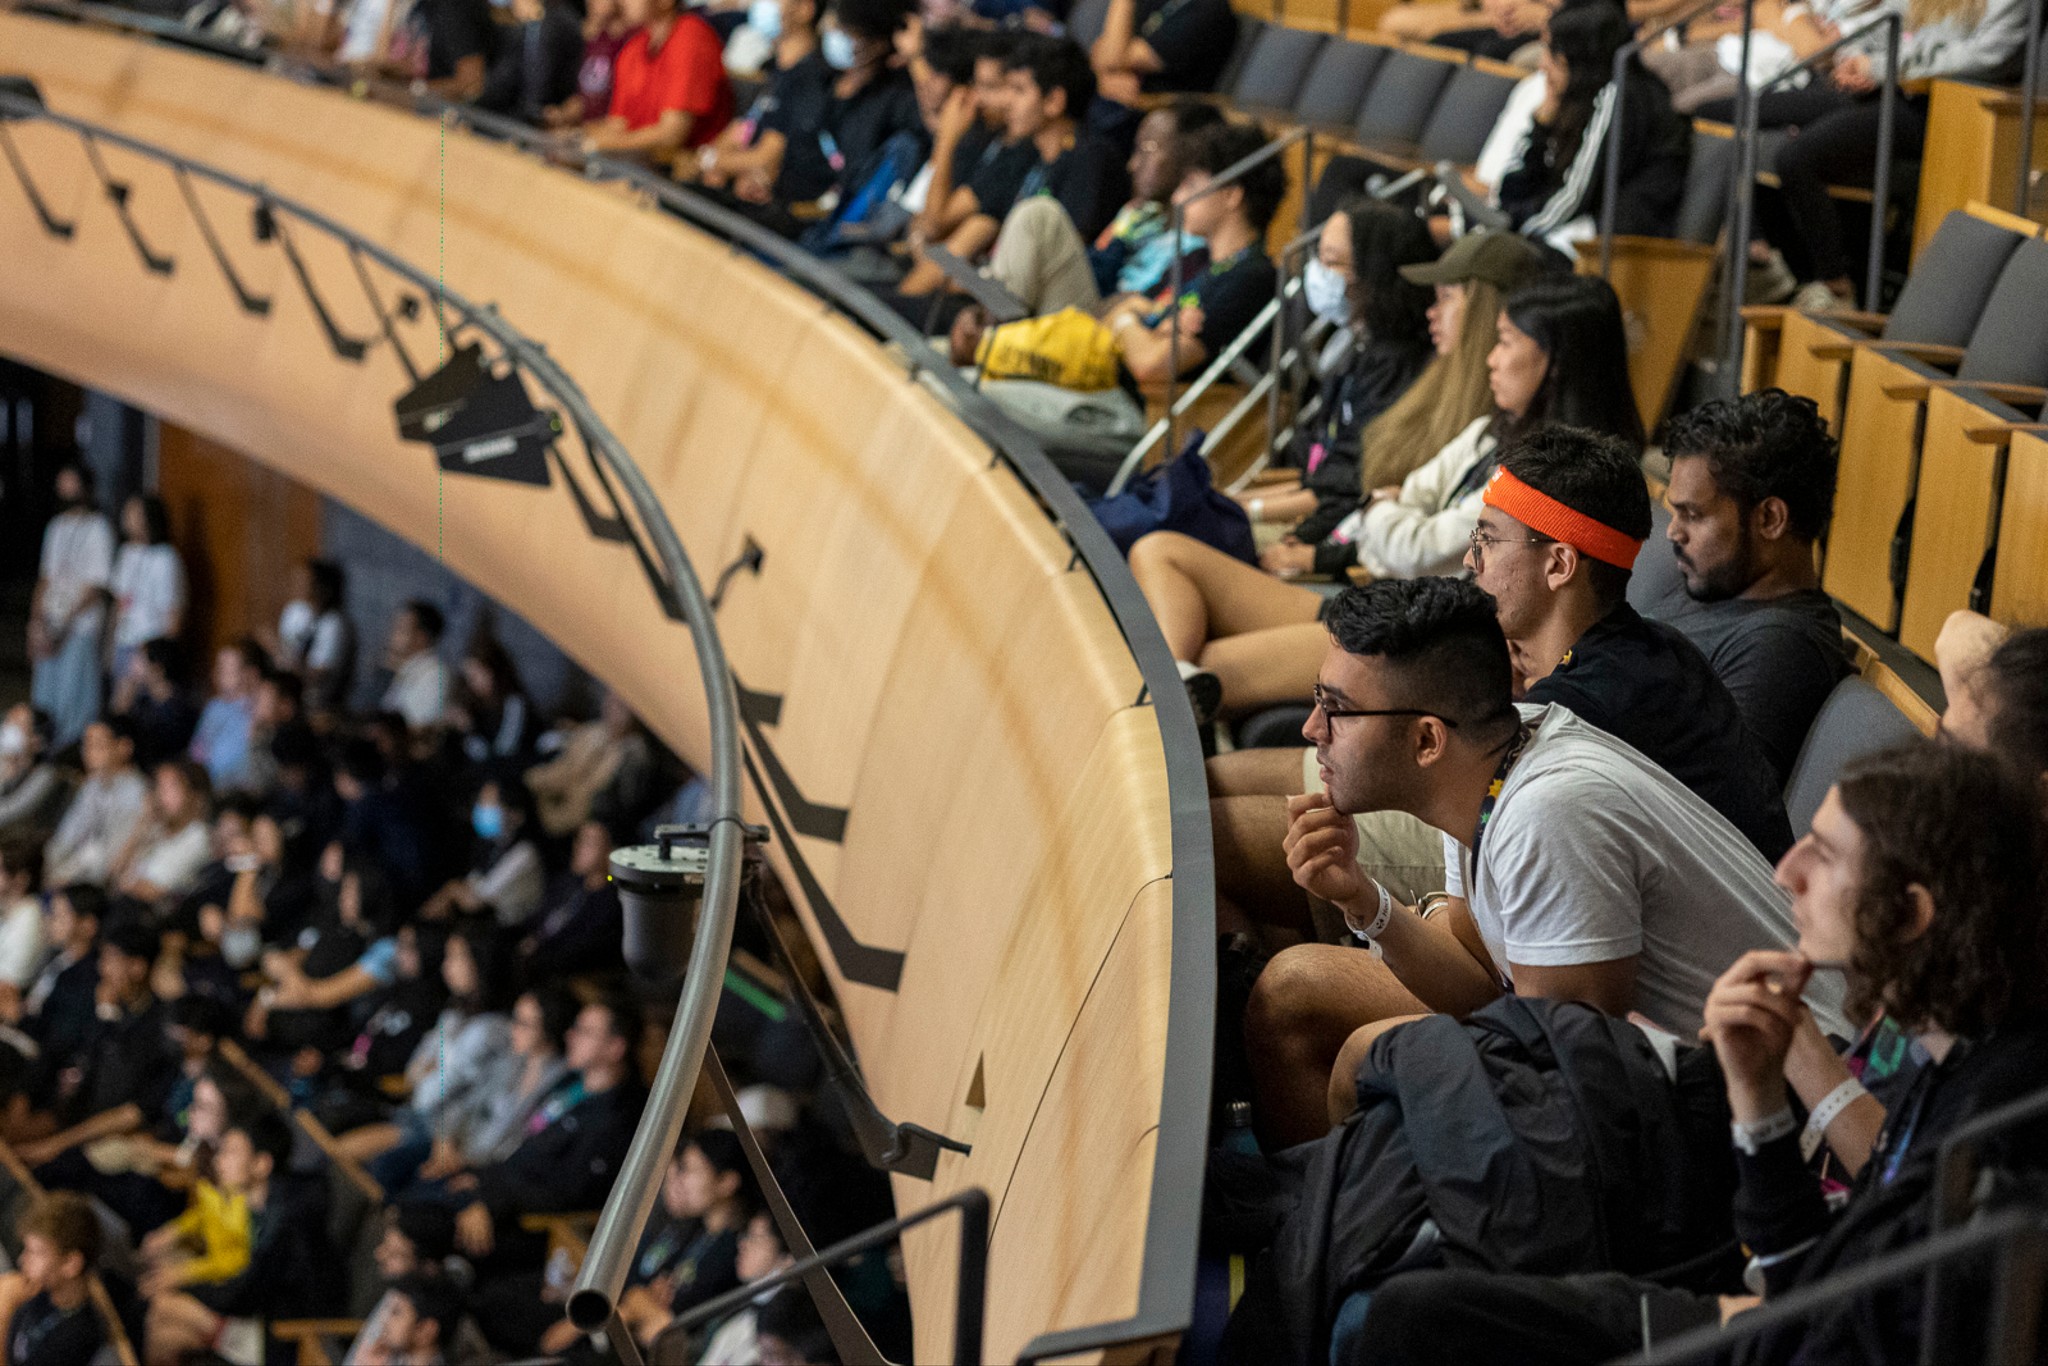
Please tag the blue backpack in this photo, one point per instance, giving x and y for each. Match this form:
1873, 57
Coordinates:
1176, 496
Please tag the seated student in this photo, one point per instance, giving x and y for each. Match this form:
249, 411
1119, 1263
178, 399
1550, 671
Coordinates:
1247, 640
873, 98
573, 1146
314, 638
420, 1318
505, 877
772, 154
490, 714
104, 811
46, 1308
968, 114
1590, 873
173, 841
1152, 45
417, 1240
1052, 154
347, 952
1566, 515
1929, 910
58, 1010
126, 1068
22, 947
538, 61
1752, 488
221, 741
152, 696
735, 1339
419, 689
380, 821
1554, 192
1353, 282
445, 44
669, 88
578, 926
603, 763
33, 790
290, 1269
1997, 686
1223, 290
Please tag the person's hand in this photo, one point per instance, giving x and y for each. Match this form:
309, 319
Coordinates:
1853, 75
1385, 493
909, 40
1322, 851
162, 1279
1750, 1017
1288, 558
963, 340
473, 1233
34, 1155
752, 187
1189, 322
444, 1161
559, 1338
1731, 1305
956, 115
463, 1181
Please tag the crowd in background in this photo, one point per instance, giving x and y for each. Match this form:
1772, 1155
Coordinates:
239, 910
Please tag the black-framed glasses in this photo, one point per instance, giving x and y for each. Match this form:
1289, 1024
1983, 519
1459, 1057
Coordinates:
1481, 542
1330, 713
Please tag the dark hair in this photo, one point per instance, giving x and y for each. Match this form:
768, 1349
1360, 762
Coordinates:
1769, 444
427, 617
377, 907
876, 19
156, 521
1592, 474
131, 936
486, 649
951, 51
195, 779
721, 1148
1192, 116
362, 761
557, 1012
121, 725
514, 798
1056, 64
1441, 635
493, 951
254, 656
287, 686
42, 726
240, 802
1576, 319
428, 1225
1967, 827
1383, 239
65, 1219
269, 1136
167, 655
433, 1298
88, 482
198, 1013
1585, 37
296, 746
2014, 684
87, 900
1220, 146
22, 855
625, 1017
790, 1318
329, 583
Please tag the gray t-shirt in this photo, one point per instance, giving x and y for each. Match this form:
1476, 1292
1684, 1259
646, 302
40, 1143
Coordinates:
1780, 658
1594, 853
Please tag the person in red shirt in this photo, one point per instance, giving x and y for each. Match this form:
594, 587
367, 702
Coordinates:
669, 89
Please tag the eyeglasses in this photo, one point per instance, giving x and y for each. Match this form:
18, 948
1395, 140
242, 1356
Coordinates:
1330, 713
1481, 542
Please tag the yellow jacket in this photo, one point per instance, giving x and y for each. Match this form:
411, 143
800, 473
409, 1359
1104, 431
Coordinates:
219, 1224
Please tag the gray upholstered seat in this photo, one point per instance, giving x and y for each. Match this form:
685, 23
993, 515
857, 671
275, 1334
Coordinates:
1274, 68
1945, 296
1336, 85
1856, 720
2009, 345
1464, 116
1403, 96
1655, 586
1085, 21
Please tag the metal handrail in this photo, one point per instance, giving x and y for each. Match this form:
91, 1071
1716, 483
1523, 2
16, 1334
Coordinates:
639, 1180
1745, 171
1610, 180
2030, 91
2018, 1238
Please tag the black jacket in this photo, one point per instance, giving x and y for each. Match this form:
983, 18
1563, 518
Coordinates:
1537, 1136
1378, 374
1552, 184
569, 1165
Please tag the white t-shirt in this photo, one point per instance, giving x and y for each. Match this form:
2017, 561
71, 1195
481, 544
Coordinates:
78, 557
1594, 853
419, 690
312, 642
149, 590
21, 942
513, 885
173, 862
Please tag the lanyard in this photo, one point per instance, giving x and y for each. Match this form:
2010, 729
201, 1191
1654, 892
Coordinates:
1500, 780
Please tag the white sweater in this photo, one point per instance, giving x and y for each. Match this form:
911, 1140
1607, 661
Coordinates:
1426, 531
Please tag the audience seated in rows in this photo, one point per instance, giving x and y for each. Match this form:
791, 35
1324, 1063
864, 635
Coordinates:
1246, 640
1154, 45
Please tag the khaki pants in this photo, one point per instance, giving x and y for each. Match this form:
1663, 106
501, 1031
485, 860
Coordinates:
1040, 258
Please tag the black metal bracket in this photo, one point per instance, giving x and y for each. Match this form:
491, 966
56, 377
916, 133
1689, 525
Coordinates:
384, 323
118, 192
251, 303
53, 225
750, 558
347, 347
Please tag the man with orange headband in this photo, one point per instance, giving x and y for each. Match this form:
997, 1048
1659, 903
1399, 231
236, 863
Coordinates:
1562, 520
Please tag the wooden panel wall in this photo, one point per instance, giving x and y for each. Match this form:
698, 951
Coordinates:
241, 527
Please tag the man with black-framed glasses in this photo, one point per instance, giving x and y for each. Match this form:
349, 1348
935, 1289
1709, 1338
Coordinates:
1578, 869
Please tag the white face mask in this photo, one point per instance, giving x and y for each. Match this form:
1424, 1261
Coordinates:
765, 18
13, 741
838, 47
1327, 291
241, 944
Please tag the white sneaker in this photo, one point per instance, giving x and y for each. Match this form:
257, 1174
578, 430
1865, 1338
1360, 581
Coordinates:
1816, 297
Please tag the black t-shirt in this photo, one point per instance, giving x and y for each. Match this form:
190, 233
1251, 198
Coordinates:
978, 146
1230, 294
1780, 659
453, 30
856, 127
796, 104
536, 65
126, 1059
706, 1269
41, 1334
1193, 40
1647, 685
1088, 179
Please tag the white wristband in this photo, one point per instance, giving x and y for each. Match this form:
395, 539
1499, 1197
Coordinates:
1825, 1113
1255, 507
1379, 922
1750, 1138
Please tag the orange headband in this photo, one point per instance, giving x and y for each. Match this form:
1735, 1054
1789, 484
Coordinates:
1543, 514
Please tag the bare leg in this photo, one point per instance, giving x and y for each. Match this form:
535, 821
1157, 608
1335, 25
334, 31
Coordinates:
176, 1326
1304, 1008
1267, 668
1256, 773
370, 1141
1251, 867
1199, 593
1351, 1057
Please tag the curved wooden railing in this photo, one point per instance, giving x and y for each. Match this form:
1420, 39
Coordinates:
961, 725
